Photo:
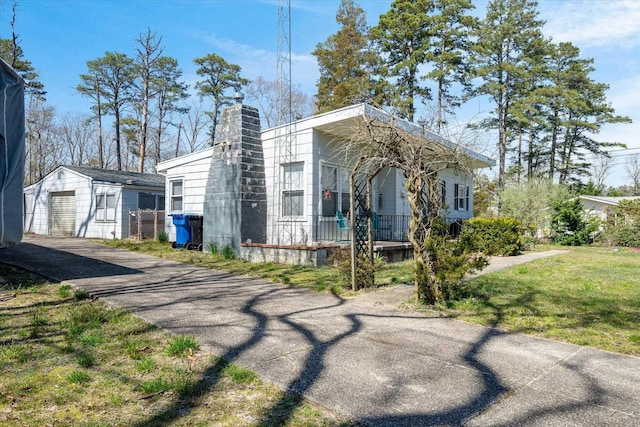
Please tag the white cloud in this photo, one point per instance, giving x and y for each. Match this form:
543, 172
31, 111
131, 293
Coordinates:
624, 96
593, 22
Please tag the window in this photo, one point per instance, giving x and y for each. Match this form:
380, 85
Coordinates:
105, 207
292, 190
150, 201
175, 187
443, 193
335, 190
461, 202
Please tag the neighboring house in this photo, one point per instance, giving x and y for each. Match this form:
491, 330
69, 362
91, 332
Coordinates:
81, 201
186, 182
310, 181
599, 206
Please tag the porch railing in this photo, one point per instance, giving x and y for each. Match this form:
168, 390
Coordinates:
391, 228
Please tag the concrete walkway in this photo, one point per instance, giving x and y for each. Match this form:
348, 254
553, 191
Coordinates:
365, 359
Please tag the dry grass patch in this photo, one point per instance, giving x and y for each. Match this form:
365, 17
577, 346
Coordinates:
70, 360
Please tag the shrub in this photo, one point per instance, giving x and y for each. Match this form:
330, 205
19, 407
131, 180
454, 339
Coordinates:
227, 252
64, 291
214, 249
494, 236
571, 226
163, 237
451, 260
81, 294
341, 259
622, 227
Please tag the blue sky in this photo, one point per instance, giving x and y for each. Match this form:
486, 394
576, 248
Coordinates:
59, 36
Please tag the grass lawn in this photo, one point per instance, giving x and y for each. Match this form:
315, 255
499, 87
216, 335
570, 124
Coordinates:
587, 296
66, 359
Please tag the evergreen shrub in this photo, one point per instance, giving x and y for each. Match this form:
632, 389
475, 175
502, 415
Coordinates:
495, 236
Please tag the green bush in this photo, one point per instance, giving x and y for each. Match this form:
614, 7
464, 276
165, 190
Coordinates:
163, 237
571, 226
450, 261
227, 252
622, 227
341, 259
214, 249
494, 236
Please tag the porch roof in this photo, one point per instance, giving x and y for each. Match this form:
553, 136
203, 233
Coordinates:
341, 123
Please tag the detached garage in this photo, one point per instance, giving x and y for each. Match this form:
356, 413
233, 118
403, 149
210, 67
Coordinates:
79, 201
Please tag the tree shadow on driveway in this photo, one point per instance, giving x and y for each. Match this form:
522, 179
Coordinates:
365, 363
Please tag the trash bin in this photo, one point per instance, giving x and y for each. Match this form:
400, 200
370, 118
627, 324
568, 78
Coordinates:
195, 222
183, 230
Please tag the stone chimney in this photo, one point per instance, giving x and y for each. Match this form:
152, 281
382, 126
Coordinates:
235, 205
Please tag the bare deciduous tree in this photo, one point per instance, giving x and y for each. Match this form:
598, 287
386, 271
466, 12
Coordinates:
78, 135
601, 169
266, 95
148, 55
192, 120
421, 156
42, 154
633, 171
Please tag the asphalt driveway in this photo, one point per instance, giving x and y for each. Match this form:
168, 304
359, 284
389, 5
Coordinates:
361, 357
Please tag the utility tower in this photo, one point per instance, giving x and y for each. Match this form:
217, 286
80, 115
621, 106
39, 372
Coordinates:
286, 172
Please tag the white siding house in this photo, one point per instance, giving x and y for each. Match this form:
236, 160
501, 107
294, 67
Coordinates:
600, 205
323, 169
80, 201
186, 185
311, 183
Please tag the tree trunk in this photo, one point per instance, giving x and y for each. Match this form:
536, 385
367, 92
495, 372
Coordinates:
178, 139
100, 141
116, 110
425, 278
554, 146
143, 129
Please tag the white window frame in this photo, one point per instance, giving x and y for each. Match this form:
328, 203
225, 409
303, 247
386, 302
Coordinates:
342, 189
173, 198
105, 207
292, 189
461, 195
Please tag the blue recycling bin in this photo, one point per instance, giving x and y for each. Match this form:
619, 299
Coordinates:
183, 230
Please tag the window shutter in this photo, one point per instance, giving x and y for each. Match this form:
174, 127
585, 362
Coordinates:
455, 197
466, 198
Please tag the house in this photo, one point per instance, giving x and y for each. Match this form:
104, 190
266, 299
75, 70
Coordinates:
11, 154
186, 182
599, 205
284, 186
82, 201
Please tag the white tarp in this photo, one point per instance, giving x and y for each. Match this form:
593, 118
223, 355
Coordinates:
11, 155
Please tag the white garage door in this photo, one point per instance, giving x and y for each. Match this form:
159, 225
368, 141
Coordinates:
63, 213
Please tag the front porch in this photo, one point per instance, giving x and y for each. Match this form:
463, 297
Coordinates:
387, 228
320, 253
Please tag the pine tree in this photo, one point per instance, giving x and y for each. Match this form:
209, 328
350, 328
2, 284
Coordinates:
109, 82
347, 62
218, 76
402, 35
450, 38
505, 40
